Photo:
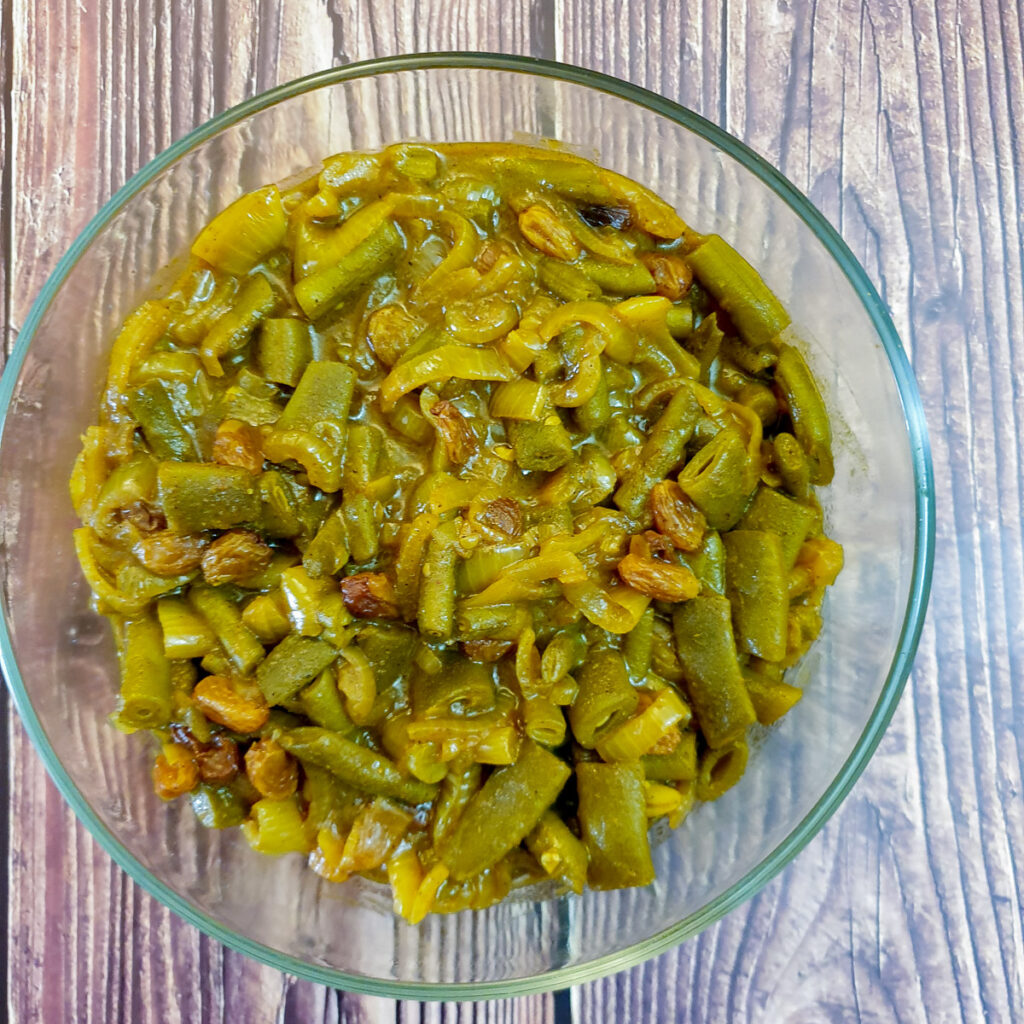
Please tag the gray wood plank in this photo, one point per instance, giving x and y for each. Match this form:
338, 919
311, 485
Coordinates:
900, 122
896, 120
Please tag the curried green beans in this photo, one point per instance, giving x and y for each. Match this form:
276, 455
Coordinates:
504, 811
614, 825
457, 506
356, 766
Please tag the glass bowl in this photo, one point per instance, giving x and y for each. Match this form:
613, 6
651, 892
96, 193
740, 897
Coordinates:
59, 657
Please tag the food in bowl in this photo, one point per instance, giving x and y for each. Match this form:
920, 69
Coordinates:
454, 512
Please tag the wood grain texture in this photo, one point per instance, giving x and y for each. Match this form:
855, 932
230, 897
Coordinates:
900, 121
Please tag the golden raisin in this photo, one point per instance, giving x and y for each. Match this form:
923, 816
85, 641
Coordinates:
237, 706
456, 433
369, 595
218, 760
175, 771
390, 330
238, 444
503, 514
486, 650
672, 274
660, 580
166, 553
271, 769
234, 556
544, 231
676, 516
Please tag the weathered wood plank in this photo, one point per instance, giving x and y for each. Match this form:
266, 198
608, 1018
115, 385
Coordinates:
896, 121
900, 122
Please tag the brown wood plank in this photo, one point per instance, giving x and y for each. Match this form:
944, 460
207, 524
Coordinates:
902, 123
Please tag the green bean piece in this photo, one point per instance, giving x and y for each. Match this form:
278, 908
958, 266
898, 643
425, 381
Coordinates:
567, 282
558, 851
365, 446
581, 483
543, 445
708, 563
491, 622
283, 350
792, 464
464, 687
739, 290
664, 657
618, 278
504, 811
639, 645
704, 343
613, 824
711, 669
198, 496
457, 788
361, 528
756, 361
755, 577
594, 413
280, 514
563, 654
720, 769
661, 453
291, 664
718, 479
605, 698
253, 303
146, 691
323, 706
678, 766
312, 428
543, 721
164, 419
436, 611
327, 553
679, 321
772, 698
790, 521
223, 616
238, 404
355, 765
218, 806
807, 411
761, 399
389, 648
324, 290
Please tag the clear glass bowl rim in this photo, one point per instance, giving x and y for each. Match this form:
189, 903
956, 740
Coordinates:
924, 539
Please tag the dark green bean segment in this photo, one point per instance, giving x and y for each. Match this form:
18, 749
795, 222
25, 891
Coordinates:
506, 809
356, 766
291, 665
146, 695
756, 585
605, 698
711, 669
613, 823
455, 511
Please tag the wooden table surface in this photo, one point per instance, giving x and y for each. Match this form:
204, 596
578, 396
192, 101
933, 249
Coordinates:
901, 121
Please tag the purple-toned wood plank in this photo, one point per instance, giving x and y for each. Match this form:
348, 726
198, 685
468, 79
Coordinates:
899, 121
